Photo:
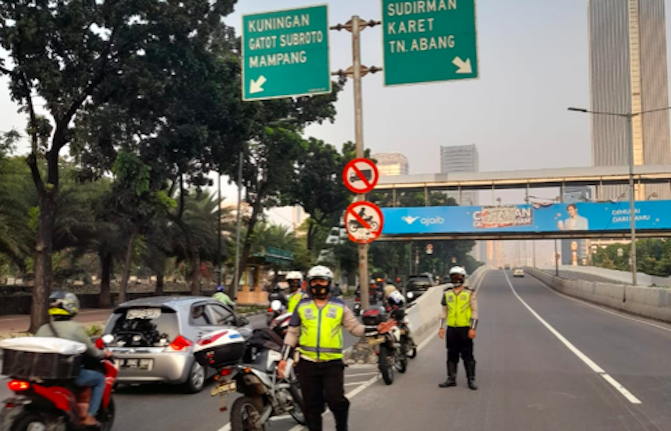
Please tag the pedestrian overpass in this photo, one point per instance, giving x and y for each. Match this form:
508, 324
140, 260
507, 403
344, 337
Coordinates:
598, 218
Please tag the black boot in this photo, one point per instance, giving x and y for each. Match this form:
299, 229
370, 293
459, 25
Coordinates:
470, 374
451, 376
341, 420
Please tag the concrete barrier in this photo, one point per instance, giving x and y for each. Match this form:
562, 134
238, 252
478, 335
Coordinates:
615, 275
651, 302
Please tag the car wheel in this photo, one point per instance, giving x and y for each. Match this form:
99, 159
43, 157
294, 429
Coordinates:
196, 380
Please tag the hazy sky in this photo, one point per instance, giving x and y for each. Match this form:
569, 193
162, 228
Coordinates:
533, 57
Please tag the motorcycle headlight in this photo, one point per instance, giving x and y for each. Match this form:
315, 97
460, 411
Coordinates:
411, 295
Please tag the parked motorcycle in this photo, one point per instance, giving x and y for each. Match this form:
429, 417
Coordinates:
264, 394
42, 373
280, 324
275, 309
392, 353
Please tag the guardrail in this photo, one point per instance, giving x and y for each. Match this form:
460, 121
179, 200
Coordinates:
651, 302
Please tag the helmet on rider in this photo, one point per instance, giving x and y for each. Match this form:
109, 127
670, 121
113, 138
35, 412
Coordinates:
63, 305
319, 281
294, 279
457, 276
220, 288
389, 289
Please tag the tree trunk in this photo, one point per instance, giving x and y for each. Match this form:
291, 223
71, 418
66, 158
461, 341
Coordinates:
246, 248
123, 288
195, 274
43, 265
106, 263
160, 281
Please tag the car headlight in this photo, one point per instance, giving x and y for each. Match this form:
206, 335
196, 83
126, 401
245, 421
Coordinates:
411, 295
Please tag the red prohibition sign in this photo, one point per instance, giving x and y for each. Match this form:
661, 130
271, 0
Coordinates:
364, 230
367, 176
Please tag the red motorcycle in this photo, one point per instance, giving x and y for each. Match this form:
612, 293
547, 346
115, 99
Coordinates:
53, 403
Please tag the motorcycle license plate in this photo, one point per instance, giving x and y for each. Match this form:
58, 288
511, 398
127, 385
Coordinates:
224, 388
375, 341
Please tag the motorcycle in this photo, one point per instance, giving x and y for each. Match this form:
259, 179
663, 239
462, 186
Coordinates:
357, 306
392, 353
280, 324
275, 310
264, 394
53, 403
354, 225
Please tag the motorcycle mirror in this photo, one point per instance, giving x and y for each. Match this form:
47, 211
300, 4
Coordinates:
276, 305
108, 339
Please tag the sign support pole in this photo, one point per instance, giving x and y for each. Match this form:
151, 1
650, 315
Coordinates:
358, 127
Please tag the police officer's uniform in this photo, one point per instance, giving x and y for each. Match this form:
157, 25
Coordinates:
318, 333
460, 314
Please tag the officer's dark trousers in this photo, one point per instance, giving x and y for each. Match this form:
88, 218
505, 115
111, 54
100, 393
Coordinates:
323, 382
458, 344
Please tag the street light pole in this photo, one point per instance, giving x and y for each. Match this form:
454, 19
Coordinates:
632, 188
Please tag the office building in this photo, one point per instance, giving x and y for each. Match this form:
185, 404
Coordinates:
628, 73
457, 159
391, 164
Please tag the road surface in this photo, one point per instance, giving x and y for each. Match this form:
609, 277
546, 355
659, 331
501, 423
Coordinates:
529, 377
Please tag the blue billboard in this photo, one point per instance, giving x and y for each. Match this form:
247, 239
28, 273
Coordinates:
578, 217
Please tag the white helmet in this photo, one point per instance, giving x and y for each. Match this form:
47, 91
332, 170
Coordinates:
294, 275
320, 272
458, 270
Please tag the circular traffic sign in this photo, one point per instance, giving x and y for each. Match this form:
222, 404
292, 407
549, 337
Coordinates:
361, 176
364, 222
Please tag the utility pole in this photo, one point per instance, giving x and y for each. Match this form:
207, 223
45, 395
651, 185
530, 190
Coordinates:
219, 229
236, 278
356, 25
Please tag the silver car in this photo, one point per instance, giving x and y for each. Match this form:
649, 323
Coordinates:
154, 338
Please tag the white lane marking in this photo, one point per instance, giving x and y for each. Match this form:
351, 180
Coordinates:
353, 383
604, 309
597, 369
361, 374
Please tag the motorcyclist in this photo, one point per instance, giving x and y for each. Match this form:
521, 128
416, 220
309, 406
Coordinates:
395, 303
222, 297
278, 295
295, 281
63, 306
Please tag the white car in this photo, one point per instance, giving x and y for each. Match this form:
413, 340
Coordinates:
518, 272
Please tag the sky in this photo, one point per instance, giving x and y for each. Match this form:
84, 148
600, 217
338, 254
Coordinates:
533, 60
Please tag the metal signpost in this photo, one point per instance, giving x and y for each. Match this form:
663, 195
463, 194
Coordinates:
285, 53
429, 41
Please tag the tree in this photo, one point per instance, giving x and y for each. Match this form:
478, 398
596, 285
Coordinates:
65, 53
317, 185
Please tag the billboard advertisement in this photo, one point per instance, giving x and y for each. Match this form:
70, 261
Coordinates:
579, 217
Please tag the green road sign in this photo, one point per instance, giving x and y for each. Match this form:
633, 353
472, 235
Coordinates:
285, 53
429, 40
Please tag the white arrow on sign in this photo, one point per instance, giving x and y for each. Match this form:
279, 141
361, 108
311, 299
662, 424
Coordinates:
257, 86
464, 66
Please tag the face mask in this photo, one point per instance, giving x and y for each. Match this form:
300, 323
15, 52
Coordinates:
457, 281
319, 292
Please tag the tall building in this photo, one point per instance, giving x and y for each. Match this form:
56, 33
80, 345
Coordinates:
460, 158
390, 164
628, 73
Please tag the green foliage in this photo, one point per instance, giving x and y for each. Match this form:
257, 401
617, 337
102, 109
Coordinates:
653, 257
94, 330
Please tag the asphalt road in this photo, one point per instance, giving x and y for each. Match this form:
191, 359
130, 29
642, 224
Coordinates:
529, 378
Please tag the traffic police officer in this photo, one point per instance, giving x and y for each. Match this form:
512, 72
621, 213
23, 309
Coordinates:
316, 327
295, 280
460, 315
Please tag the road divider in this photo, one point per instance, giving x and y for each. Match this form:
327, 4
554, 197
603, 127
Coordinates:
650, 302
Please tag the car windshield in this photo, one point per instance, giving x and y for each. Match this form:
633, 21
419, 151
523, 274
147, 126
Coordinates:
143, 326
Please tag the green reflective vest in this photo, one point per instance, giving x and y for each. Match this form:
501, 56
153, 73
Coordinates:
458, 308
294, 300
321, 330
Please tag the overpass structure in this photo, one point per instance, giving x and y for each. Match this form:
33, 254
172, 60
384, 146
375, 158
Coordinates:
607, 218
598, 177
